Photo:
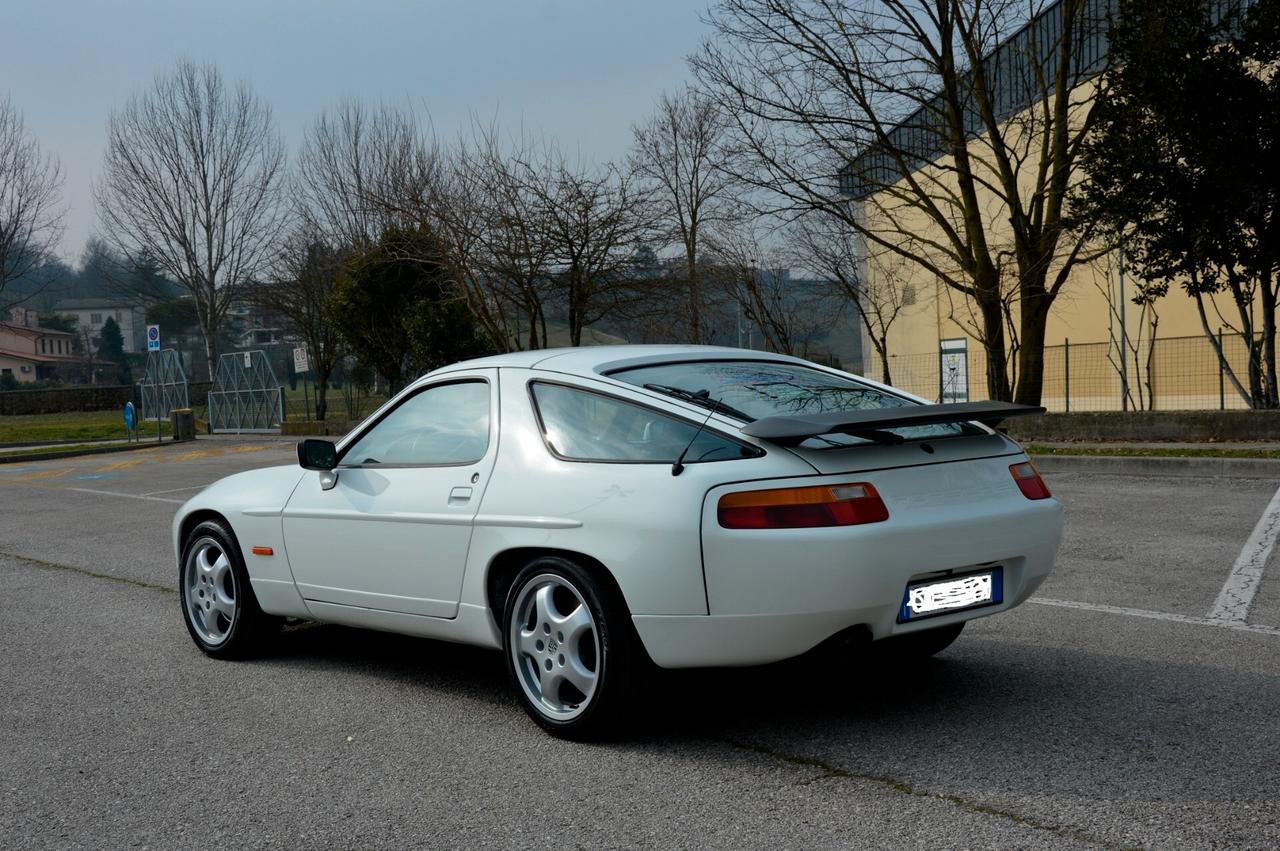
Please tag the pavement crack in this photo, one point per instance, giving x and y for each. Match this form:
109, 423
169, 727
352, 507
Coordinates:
84, 571
828, 771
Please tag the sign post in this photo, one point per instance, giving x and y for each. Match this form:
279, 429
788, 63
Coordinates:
301, 368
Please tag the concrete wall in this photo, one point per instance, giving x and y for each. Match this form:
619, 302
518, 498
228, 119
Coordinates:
1155, 426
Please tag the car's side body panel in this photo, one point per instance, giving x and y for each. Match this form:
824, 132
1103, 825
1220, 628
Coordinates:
391, 538
635, 518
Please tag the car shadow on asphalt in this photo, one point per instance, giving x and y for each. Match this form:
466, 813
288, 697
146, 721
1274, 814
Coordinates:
994, 713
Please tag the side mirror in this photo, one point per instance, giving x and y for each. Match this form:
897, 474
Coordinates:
316, 454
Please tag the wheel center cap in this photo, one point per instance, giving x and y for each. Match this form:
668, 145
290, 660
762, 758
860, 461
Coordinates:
551, 645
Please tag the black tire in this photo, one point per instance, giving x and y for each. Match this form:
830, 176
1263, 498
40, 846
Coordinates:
248, 627
919, 645
620, 664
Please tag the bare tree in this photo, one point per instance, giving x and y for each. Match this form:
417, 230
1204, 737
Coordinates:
904, 120
752, 276
836, 254
192, 178
596, 219
493, 218
31, 210
302, 280
354, 164
676, 152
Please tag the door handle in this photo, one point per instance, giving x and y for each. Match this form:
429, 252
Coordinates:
457, 496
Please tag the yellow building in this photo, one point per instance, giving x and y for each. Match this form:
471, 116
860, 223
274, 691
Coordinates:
1098, 341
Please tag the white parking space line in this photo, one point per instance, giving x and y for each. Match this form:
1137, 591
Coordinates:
176, 490
126, 495
1232, 605
1239, 626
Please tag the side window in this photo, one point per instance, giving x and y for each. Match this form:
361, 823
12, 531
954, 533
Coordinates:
585, 426
444, 424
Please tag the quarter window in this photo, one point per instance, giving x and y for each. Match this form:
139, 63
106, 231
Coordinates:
584, 426
446, 424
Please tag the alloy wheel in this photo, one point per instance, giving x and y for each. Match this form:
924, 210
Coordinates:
555, 646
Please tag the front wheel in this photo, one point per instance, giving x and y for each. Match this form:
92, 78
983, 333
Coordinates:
218, 605
570, 649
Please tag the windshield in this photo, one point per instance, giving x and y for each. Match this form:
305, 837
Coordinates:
759, 389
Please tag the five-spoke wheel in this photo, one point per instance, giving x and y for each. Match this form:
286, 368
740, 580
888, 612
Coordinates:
209, 589
218, 605
555, 646
570, 647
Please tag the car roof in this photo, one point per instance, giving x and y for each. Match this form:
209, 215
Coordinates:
596, 360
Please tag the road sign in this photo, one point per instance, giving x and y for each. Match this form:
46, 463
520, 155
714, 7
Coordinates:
130, 416
153, 338
300, 364
248, 360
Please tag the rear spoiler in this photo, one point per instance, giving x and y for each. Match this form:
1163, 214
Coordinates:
873, 423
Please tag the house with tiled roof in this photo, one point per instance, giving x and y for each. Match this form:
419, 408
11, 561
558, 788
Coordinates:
31, 353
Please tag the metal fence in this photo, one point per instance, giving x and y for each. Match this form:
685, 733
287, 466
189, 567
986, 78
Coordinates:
1167, 374
246, 395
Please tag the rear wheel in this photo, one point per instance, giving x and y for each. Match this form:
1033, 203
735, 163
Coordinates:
218, 605
920, 645
570, 649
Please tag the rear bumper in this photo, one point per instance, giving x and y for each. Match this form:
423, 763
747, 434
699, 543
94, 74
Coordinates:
705, 641
770, 603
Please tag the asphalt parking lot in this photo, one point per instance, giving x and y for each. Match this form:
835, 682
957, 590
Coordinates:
1131, 703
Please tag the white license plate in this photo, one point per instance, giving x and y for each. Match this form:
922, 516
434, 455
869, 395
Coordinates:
933, 597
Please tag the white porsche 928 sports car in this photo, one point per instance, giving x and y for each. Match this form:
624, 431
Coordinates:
593, 511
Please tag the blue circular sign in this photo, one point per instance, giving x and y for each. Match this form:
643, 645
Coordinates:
130, 419
153, 333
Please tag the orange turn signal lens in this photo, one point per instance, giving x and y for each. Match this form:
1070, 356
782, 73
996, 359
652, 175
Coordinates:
263, 551
1029, 481
800, 508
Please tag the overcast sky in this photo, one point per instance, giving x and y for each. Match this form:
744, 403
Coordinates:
581, 71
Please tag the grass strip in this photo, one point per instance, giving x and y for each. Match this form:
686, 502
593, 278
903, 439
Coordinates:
1152, 451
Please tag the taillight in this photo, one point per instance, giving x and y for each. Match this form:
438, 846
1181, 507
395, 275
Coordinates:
797, 508
1029, 481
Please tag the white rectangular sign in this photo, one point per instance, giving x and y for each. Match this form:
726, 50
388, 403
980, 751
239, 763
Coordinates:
248, 360
153, 338
300, 364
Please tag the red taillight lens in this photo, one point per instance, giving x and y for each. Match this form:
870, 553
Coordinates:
800, 508
1029, 481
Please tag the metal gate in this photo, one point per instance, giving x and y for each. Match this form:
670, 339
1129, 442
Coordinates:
164, 387
246, 395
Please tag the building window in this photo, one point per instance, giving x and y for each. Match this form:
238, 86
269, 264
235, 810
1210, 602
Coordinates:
42, 342
95, 318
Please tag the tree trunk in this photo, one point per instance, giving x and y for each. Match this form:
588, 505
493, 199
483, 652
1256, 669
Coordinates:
1271, 399
884, 363
993, 332
695, 300
1033, 326
322, 386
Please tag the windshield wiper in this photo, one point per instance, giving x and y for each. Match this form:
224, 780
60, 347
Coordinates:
701, 398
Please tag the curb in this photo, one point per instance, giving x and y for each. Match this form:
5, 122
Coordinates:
1124, 465
98, 450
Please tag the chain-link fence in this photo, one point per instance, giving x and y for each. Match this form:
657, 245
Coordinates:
1166, 374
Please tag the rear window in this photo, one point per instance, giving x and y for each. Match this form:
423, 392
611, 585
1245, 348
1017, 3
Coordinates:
761, 389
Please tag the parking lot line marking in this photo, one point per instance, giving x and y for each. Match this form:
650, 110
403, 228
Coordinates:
176, 490
1239, 626
1237, 594
126, 495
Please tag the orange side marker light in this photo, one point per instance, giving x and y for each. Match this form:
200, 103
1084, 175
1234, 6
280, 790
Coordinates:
263, 551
